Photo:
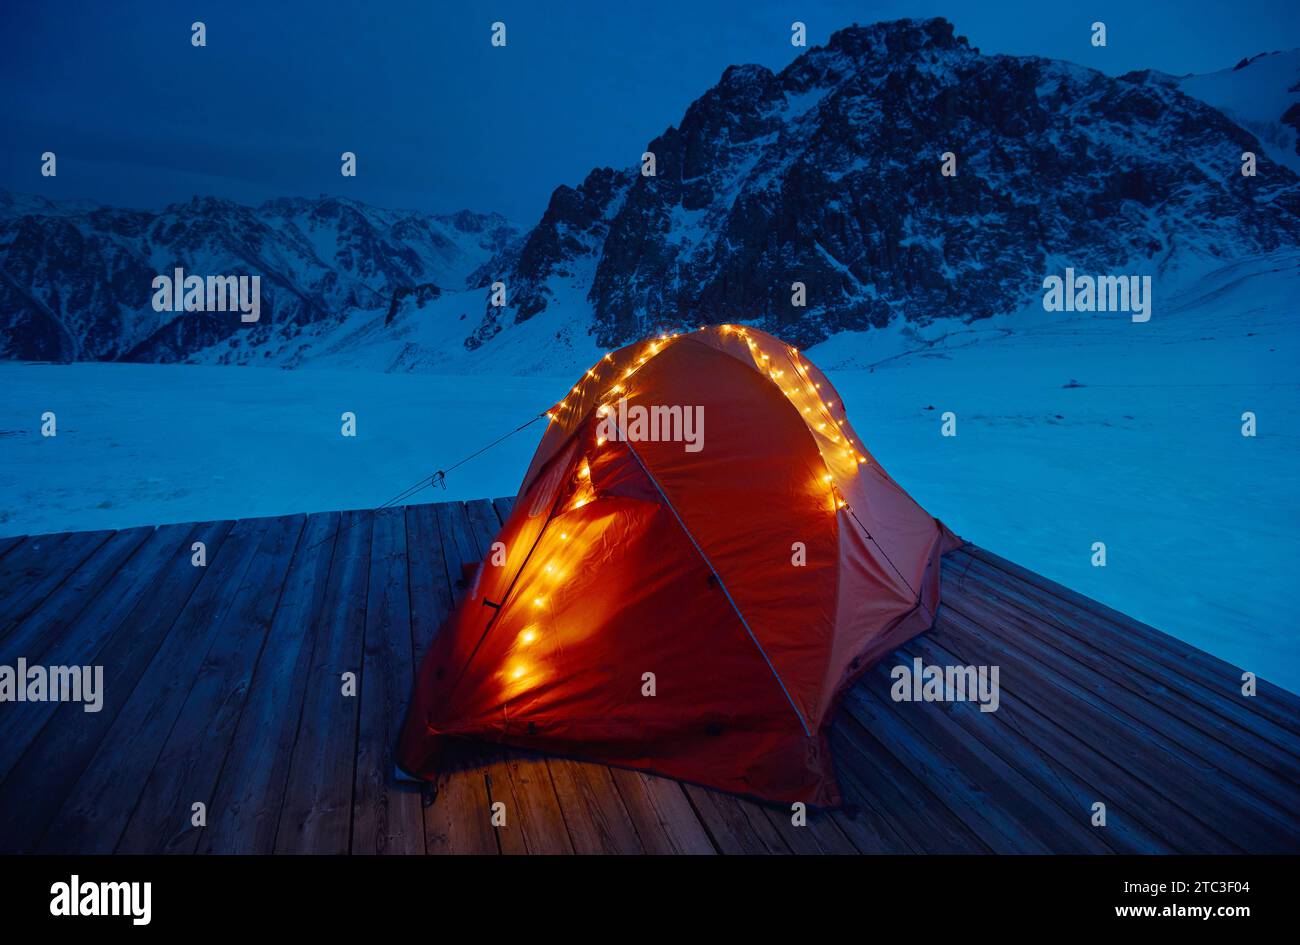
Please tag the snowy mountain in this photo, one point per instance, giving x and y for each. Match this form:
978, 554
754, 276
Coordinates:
827, 173
1262, 94
75, 278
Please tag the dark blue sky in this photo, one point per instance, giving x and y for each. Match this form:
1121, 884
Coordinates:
438, 117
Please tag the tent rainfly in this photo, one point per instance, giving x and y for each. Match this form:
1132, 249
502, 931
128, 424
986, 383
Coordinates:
686, 598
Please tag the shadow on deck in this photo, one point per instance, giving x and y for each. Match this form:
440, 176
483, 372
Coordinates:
222, 687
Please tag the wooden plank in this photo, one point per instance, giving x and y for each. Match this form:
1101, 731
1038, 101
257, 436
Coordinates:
1278, 794
245, 809
819, 834
1076, 634
317, 812
190, 759
861, 817
387, 816
1140, 749
430, 591
897, 812
483, 523
503, 507
102, 801
41, 628
662, 814
729, 825
522, 781
1000, 736
80, 643
9, 542
1126, 798
593, 810
459, 820
1126, 635
1227, 722
459, 817
38, 566
35, 787
1005, 814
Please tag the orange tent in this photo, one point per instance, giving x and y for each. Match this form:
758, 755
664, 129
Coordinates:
682, 596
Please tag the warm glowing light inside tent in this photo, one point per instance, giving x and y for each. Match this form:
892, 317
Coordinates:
528, 636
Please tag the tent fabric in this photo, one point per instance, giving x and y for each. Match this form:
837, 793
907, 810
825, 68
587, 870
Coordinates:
693, 612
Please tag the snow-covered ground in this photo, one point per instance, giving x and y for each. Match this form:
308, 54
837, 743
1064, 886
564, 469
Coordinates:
1071, 430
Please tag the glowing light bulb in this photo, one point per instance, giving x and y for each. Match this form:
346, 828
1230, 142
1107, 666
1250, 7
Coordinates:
518, 672
538, 602
564, 536
528, 636
827, 478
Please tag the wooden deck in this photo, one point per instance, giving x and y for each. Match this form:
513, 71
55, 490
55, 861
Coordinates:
223, 687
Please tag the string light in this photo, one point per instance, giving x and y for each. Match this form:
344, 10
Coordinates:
528, 636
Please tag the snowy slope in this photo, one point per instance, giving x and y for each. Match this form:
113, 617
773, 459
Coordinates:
1262, 95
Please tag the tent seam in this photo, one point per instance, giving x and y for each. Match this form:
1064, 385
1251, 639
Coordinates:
722, 584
